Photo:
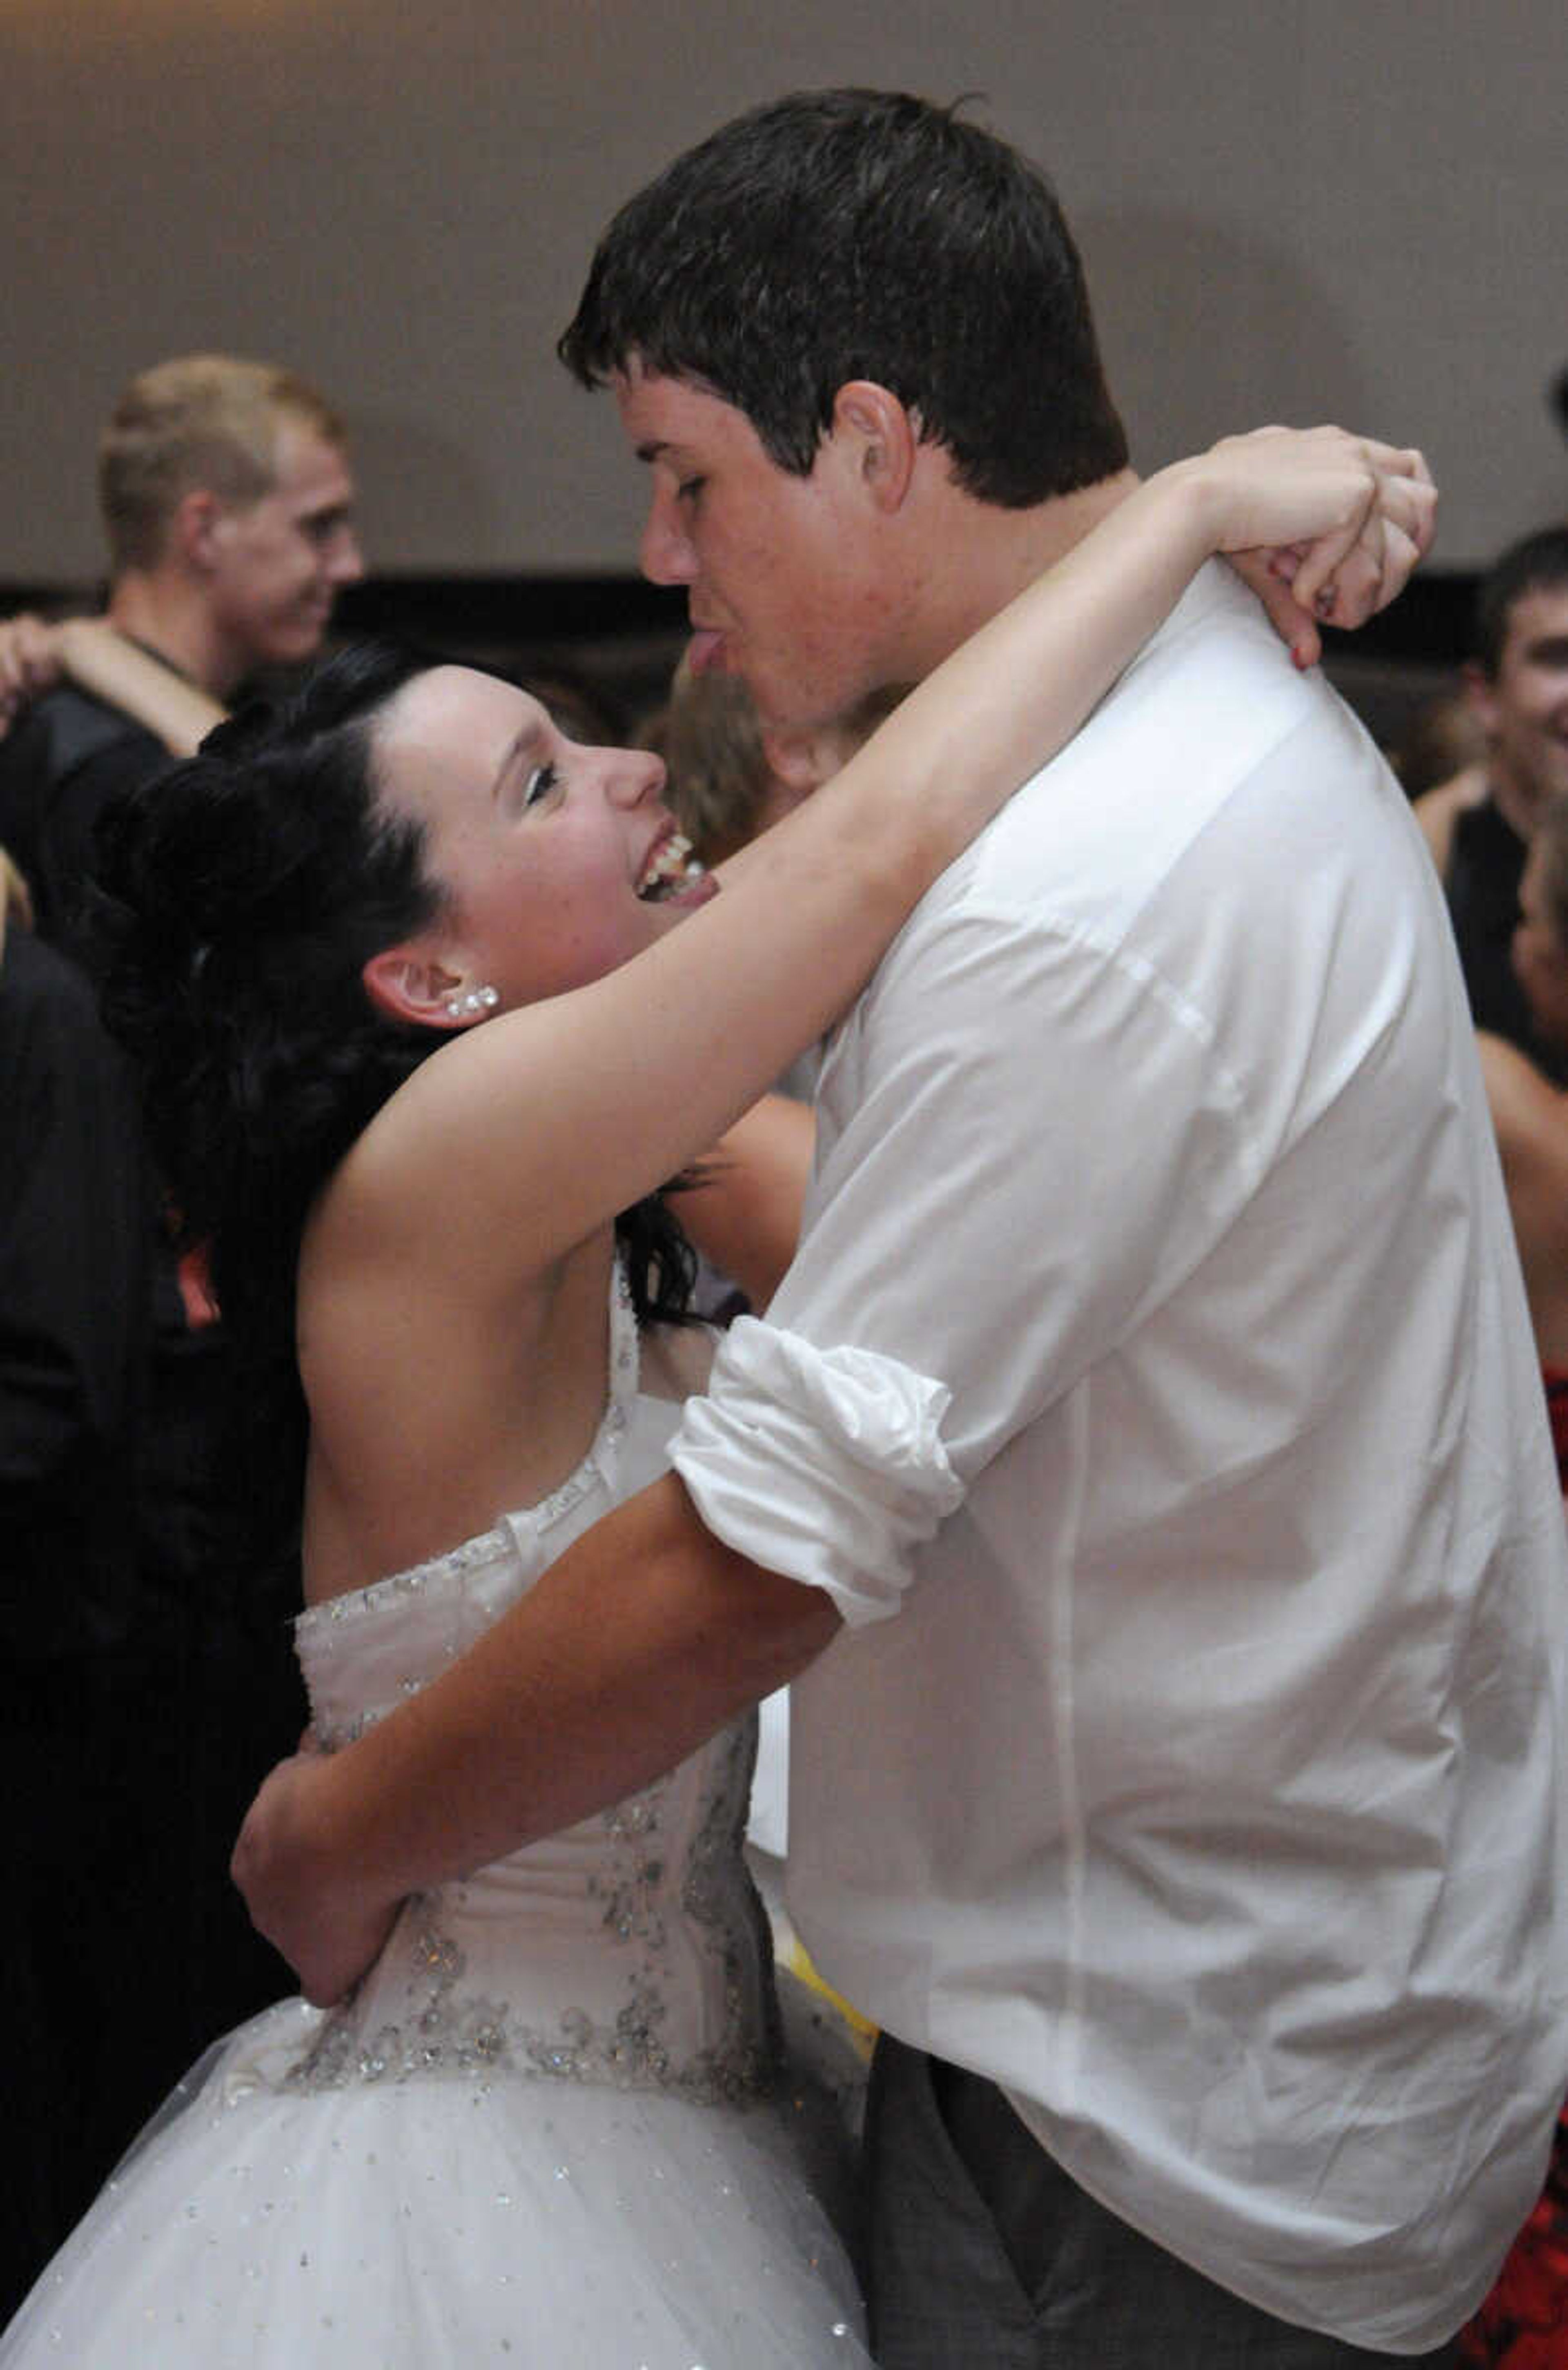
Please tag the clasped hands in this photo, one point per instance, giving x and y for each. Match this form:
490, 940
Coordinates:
1384, 509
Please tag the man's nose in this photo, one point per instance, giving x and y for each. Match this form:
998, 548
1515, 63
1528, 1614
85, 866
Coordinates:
665, 553
345, 561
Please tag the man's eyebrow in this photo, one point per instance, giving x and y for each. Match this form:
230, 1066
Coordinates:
653, 449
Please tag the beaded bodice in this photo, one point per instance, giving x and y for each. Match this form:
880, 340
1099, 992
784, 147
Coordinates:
629, 1950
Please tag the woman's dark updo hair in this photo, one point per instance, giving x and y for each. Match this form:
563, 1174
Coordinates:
242, 892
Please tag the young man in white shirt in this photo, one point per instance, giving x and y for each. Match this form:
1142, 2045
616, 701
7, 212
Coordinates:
1190, 1794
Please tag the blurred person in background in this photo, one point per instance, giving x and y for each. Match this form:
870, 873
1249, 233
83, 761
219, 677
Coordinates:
228, 506
1479, 824
153, 1688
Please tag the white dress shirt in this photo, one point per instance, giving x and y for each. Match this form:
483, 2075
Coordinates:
1198, 1778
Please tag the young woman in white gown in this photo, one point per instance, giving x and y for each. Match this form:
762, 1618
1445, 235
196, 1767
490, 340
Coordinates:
416, 1022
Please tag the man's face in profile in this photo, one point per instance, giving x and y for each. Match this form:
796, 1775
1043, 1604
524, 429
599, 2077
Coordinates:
1524, 707
281, 561
784, 574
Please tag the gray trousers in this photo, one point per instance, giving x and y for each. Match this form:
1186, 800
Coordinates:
985, 2255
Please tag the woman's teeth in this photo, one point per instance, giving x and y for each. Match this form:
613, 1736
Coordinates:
670, 866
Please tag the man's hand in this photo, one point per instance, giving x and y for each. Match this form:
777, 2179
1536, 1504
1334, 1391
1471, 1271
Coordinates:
1381, 512
329, 1932
31, 662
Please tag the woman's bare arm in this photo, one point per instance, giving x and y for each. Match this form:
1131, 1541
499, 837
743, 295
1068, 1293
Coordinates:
572, 1109
93, 654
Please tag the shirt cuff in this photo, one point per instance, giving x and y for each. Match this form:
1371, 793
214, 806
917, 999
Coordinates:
824, 1465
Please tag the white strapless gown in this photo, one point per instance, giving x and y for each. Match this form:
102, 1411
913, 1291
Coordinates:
548, 2129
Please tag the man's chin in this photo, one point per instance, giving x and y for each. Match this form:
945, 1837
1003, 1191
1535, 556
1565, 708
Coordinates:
300, 642
775, 703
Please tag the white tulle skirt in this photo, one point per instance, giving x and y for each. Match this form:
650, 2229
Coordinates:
410, 2225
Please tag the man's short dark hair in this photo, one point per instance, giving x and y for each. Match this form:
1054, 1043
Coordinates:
1538, 563
857, 234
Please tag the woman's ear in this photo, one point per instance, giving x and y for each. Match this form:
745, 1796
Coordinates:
410, 987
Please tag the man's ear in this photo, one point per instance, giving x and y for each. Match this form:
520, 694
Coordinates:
406, 985
800, 757
196, 527
881, 436
1482, 694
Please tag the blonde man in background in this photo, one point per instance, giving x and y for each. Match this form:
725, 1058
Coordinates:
227, 505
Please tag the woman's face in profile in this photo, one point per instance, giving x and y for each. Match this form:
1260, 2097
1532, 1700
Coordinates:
560, 860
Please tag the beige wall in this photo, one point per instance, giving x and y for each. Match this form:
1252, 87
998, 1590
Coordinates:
1289, 208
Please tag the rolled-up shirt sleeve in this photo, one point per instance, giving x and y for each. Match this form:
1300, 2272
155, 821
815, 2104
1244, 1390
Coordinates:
983, 1225
825, 1465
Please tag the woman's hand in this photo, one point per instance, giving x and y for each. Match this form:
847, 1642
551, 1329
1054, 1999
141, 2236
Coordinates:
1325, 526
16, 904
31, 662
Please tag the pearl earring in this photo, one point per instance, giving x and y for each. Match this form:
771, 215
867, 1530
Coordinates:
470, 1004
